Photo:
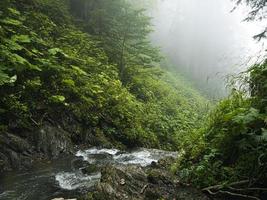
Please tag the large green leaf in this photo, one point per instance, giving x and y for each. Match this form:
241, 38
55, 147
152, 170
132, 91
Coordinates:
10, 21
13, 11
21, 38
5, 78
78, 70
57, 98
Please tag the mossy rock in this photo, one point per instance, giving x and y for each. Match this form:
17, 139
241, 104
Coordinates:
151, 195
90, 169
156, 176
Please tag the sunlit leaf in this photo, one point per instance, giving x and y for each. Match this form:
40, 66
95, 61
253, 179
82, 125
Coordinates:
13, 11
13, 79
57, 98
78, 70
21, 38
10, 21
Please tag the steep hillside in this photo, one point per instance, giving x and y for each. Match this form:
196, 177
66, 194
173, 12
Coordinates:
71, 78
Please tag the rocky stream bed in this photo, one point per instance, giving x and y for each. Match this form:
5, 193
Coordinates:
99, 173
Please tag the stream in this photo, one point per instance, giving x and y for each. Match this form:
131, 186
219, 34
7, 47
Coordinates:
64, 176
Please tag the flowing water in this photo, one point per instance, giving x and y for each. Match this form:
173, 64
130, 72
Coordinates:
64, 177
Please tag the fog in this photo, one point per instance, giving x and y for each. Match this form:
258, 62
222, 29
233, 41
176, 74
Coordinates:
205, 40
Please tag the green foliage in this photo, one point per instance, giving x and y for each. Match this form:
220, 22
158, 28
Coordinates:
232, 144
172, 107
53, 66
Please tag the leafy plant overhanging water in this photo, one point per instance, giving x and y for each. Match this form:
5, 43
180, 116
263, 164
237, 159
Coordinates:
82, 73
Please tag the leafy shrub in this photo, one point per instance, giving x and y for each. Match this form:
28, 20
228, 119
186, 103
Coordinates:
236, 132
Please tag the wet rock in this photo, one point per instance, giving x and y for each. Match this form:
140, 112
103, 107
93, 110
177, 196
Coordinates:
152, 194
120, 182
142, 183
4, 162
90, 169
107, 191
14, 142
102, 156
79, 163
52, 141
154, 164
157, 176
17, 151
62, 199
14, 152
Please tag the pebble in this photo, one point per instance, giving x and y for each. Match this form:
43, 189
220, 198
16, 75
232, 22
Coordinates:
122, 181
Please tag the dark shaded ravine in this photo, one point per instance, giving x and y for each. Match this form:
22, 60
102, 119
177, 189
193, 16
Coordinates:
65, 177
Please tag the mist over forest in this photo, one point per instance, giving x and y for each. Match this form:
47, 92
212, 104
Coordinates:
205, 40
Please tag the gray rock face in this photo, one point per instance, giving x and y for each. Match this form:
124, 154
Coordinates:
52, 141
14, 152
46, 142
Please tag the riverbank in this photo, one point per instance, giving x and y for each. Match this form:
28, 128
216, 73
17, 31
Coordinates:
20, 150
139, 183
99, 173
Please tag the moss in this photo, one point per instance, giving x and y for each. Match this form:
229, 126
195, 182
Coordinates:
90, 169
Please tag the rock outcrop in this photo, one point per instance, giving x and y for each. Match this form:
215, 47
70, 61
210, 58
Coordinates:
14, 151
20, 150
139, 183
52, 141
